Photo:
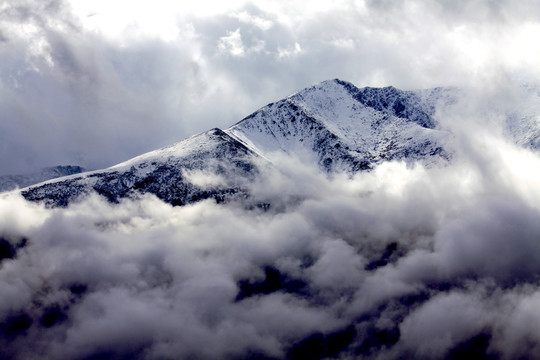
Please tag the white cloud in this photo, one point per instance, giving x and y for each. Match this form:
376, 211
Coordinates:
290, 51
261, 23
101, 81
159, 60
203, 179
232, 43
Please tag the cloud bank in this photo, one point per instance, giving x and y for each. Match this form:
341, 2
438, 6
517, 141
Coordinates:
96, 83
402, 261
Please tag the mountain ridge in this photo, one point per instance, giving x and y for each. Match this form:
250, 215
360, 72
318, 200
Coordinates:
341, 127
161, 172
11, 182
348, 132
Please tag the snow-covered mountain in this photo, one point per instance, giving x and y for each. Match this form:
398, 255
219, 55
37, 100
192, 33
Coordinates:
177, 174
347, 128
335, 124
10, 182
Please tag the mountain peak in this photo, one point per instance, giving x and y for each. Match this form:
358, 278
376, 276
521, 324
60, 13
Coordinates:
348, 128
330, 88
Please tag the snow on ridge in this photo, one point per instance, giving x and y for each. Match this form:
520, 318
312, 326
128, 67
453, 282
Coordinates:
180, 149
331, 120
12, 182
348, 127
339, 126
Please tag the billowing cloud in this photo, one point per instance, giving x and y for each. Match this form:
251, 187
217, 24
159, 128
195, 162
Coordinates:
401, 261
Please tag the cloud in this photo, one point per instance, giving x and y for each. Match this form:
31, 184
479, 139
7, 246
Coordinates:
96, 84
369, 266
232, 43
260, 22
399, 261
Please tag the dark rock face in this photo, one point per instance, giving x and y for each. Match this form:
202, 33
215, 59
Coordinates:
402, 104
322, 346
10, 247
15, 325
273, 281
473, 348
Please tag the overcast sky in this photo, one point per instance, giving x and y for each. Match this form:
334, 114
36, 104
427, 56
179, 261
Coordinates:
96, 82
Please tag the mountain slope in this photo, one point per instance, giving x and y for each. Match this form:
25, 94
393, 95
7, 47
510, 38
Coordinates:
349, 129
175, 174
523, 123
334, 124
10, 182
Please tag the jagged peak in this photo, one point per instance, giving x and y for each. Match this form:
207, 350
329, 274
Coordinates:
216, 131
416, 106
350, 87
326, 88
388, 99
326, 85
343, 127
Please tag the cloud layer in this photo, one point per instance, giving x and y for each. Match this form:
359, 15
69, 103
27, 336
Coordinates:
399, 262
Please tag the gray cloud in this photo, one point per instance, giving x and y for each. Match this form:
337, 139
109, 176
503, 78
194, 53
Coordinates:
71, 94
